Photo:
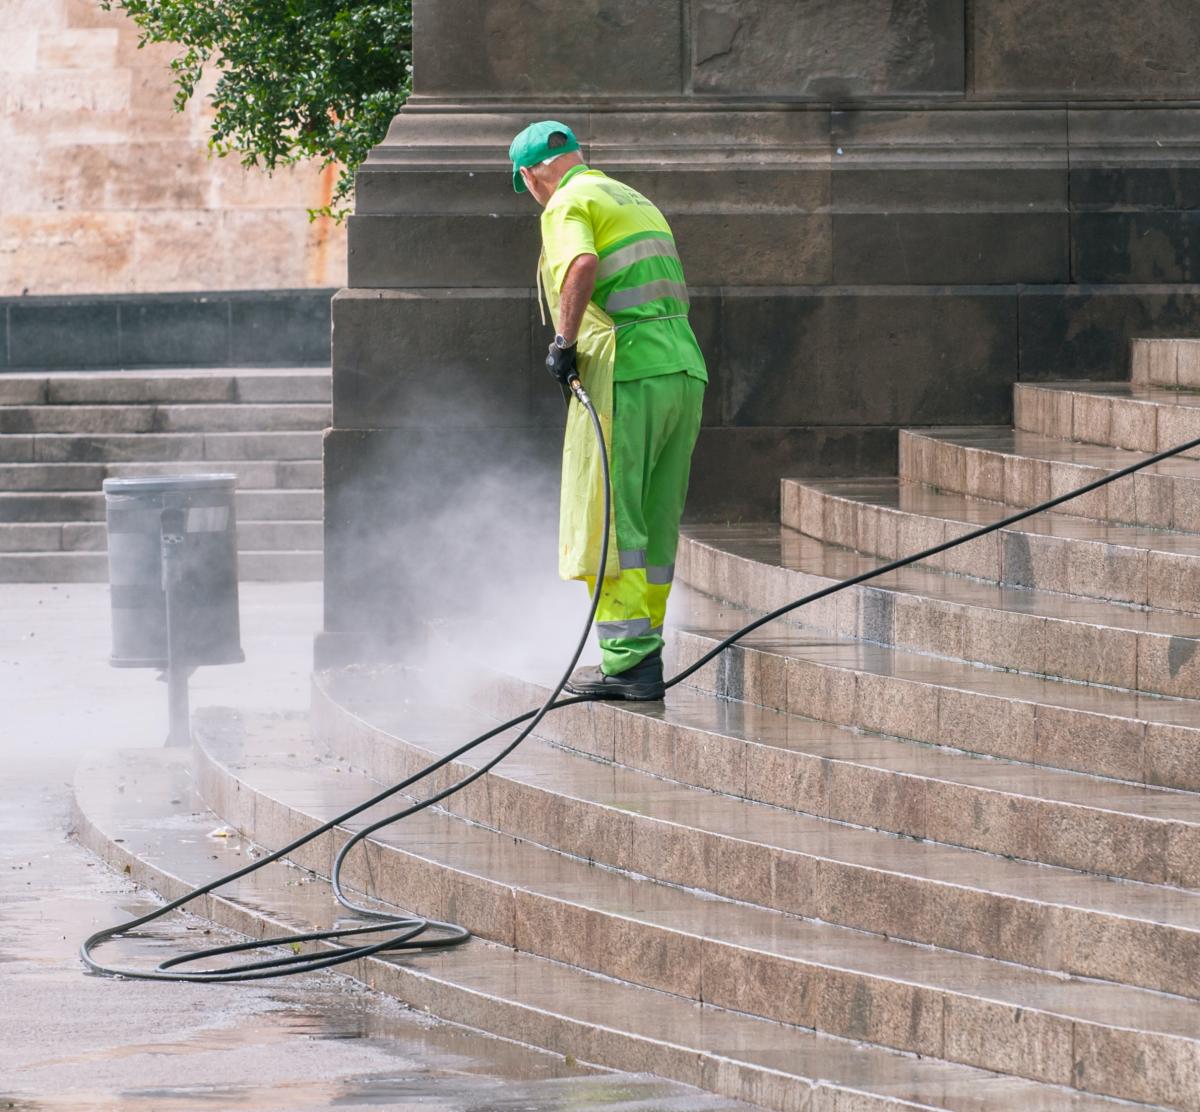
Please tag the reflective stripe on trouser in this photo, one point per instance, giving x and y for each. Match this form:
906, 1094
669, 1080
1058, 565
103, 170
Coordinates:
655, 424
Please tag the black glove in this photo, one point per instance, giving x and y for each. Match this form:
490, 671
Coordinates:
560, 362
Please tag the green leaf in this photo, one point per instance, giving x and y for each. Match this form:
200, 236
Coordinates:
297, 79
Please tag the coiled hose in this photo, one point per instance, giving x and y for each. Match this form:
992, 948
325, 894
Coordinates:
427, 934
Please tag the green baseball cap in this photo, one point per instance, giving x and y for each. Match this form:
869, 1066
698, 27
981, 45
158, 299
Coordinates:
532, 146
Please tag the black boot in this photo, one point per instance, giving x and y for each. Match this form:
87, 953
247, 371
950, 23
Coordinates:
643, 681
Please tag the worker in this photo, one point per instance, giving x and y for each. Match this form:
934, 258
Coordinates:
616, 292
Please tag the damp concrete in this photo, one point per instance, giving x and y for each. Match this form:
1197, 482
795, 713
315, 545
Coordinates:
69, 1040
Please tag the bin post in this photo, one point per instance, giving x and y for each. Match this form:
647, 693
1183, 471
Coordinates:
172, 573
173, 527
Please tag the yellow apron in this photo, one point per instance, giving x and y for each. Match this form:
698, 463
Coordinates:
581, 505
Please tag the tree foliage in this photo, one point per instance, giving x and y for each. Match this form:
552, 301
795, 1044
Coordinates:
298, 79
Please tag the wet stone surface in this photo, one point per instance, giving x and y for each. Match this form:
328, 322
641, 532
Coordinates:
73, 1041
82, 1042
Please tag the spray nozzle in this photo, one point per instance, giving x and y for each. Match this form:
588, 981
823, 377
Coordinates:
576, 388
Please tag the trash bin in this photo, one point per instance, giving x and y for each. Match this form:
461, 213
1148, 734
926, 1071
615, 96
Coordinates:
200, 515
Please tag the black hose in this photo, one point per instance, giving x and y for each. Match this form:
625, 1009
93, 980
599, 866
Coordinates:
904, 561
408, 934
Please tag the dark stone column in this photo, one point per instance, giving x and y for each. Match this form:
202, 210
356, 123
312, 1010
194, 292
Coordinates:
889, 212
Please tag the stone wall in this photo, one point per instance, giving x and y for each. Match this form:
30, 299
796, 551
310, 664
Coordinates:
109, 190
235, 328
819, 50
889, 211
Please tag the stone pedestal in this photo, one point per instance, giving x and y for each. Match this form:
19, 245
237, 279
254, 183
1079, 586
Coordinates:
889, 211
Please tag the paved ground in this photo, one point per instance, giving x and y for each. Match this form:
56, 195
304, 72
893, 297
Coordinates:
72, 1041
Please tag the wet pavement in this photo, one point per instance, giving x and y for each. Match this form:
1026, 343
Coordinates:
73, 1041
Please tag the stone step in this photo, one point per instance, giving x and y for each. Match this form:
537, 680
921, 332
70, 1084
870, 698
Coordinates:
92, 567
157, 447
256, 474
877, 781
1171, 363
1119, 735
280, 536
227, 417
927, 611
252, 536
281, 567
261, 445
90, 536
52, 476
1128, 415
17, 389
938, 895
1025, 469
284, 384
265, 779
18, 449
164, 845
254, 505
1048, 552
32, 538
262, 474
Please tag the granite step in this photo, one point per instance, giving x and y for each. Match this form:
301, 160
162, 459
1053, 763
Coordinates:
879, 781
263, 444
282, 566
927, 611
91, 536
1105, 732
280, 536
192, 385
204, 448
1136, 416
292, 566
63, 434
52, 476
1171, 363
773, 857
35, 537
257, 474
261, 474
1025, 469
134, 418
259, 505
126, 811
1050, 552
266, 780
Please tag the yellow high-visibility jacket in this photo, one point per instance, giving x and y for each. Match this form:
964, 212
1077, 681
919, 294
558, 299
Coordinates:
638, 309
581, 501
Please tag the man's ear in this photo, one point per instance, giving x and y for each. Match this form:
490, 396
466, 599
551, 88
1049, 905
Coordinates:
527, 177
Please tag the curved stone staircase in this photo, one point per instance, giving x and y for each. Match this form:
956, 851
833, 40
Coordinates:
63, 433
934, 844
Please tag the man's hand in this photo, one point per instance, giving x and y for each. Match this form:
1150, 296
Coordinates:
560, 362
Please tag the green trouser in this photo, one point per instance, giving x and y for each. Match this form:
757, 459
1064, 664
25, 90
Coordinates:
655, 424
